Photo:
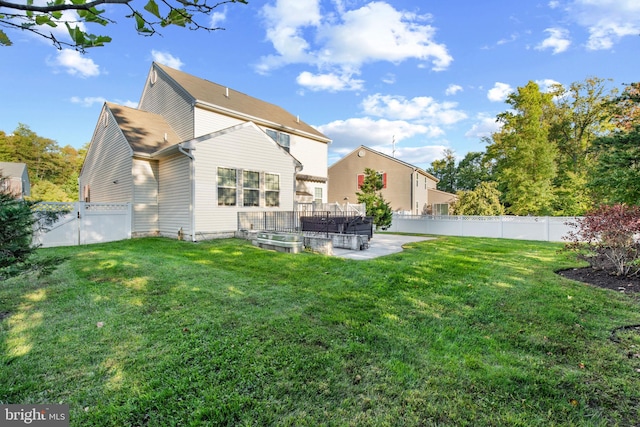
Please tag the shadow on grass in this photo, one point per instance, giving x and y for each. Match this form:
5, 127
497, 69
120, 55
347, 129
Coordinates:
453, 331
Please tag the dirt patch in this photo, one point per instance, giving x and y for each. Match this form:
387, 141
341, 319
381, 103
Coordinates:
602, 279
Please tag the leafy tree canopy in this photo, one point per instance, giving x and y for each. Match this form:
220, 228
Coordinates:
616, 176
484, 200
53, 170
77, 15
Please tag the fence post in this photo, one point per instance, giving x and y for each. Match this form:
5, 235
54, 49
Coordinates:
79, 212
547, 228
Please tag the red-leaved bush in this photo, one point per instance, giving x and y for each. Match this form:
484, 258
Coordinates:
608, 238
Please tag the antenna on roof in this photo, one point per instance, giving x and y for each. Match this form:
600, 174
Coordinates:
393, 143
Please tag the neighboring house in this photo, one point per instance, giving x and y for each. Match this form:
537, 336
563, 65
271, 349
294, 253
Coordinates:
195, 153
407, 188
14, 179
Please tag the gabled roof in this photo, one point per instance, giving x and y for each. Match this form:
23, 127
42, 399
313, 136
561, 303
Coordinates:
409, 165
145, 132
12, 170
229, 101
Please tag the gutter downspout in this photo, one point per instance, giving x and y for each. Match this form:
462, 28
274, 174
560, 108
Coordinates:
413, 191
193, 185
298, 168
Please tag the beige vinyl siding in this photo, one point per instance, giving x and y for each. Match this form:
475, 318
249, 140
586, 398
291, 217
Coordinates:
312, 155
246, 148
174, 196
208, 122
107, 167
164, 97
145, 202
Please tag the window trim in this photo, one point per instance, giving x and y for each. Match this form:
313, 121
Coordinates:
219, 187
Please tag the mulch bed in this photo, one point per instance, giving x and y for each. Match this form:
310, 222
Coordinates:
602, 279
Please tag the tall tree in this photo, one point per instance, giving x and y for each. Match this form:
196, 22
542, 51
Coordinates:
77, 15
445, 170
627, 112
53, 171
582, 113
472, 170
616, 176
525, 161
370, 195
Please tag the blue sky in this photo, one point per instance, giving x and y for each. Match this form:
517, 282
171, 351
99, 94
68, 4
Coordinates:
428, 75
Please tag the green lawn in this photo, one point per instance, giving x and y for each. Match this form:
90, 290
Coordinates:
451, 332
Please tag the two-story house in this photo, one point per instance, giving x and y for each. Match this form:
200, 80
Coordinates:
407, 188
195, 153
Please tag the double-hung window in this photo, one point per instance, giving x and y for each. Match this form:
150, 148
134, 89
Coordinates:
227, 186
272, 189
250, 188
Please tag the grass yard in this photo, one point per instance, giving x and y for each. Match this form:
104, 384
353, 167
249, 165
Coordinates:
451, 332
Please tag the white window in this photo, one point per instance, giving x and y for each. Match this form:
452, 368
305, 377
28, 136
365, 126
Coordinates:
227, 187
318, 195
282, 139
250, 188
272, 189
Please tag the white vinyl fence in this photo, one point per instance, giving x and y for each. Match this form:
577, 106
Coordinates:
544, 228
84, 223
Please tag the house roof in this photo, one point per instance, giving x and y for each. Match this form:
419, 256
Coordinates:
146, 132
229, 101
409, 165
12, 170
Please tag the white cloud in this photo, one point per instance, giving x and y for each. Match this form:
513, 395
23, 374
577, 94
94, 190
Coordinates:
389, 79
606, 20
558, 40
217, 18
546, 85
485, 126
554, 4
499, 92
75, 64
329, 82
344, 40
167, 59
90, 101
423, 109
453, 89
350, 133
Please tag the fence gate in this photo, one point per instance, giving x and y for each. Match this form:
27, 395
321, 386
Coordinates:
83, 223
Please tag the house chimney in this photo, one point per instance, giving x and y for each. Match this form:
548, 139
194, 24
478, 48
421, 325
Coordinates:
226, 92
298, 119
165, 137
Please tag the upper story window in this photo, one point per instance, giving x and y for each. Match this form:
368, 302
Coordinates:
381, 175
282, 139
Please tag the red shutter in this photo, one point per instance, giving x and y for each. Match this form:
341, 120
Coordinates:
384, 180
360, 180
